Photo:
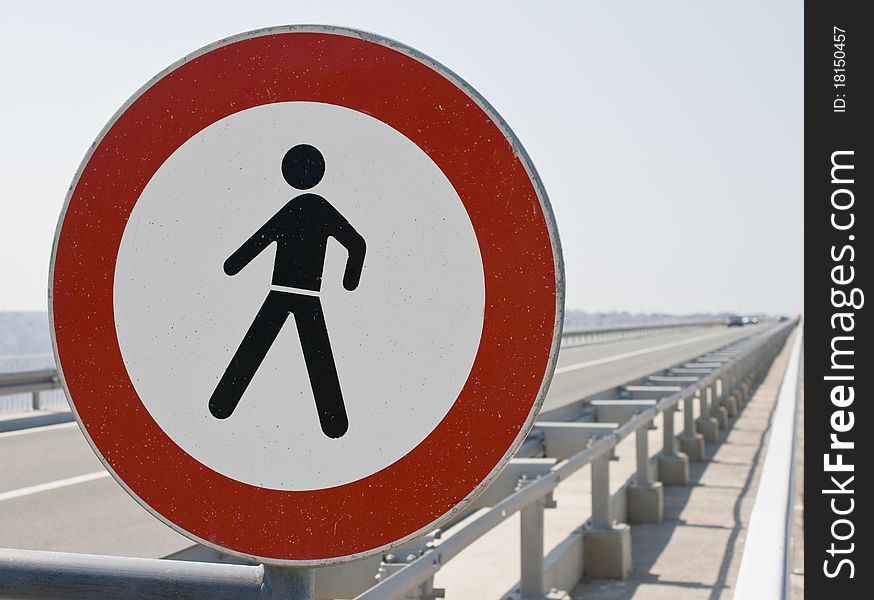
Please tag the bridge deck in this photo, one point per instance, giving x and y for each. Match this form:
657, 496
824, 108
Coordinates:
694, 553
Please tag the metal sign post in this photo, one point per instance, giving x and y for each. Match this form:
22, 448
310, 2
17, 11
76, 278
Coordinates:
297, 583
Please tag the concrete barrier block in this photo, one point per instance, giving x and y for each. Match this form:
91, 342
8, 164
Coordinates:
738, 401
721, 415
563, 566
607, 552
693, 446
709, 428
646, 504
674, 468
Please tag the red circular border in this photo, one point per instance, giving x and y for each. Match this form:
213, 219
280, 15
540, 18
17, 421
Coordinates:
520, 295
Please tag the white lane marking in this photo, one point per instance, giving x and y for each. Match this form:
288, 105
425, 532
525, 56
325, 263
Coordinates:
642, 351
29, 430
52, 485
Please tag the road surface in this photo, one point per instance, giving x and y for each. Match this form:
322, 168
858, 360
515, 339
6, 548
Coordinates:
55, 494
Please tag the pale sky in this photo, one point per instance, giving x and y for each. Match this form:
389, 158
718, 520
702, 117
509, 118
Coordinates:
668, 135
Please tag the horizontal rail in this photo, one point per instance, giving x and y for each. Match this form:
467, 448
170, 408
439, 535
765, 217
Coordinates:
39, 574
31, 381
24, 382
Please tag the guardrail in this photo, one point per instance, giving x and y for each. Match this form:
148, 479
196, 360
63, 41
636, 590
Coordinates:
34, 374
593, 335
741, 367
29, 382
719, 383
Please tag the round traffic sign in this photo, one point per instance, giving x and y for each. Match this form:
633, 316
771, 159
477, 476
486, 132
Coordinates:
306, 295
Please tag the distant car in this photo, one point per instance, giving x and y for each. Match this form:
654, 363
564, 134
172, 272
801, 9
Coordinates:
736, 321
754, 320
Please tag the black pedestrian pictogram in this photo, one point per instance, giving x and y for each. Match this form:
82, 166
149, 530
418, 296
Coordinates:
300, 230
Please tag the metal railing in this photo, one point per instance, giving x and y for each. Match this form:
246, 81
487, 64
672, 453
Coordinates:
23, 390
718, 383
594, 335
740, 368
31, 382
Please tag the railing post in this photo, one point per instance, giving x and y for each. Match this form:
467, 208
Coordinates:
730, 379
707, 425
642, 439
725, 398
531, 581
606, 548
601, 492
429, 592
689, 416
645, 497
736, 382
34, 401
704, 401
691, 442
717, 411
673, 465
669, 442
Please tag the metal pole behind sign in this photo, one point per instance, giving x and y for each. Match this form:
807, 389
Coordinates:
288, 583
39, 574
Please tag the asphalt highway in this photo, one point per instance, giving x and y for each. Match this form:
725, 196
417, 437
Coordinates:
55, 494
588, 370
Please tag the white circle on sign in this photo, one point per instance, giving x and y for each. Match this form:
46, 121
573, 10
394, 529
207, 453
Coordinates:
403, 342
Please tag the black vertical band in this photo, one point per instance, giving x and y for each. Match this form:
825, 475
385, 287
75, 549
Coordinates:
839, 453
